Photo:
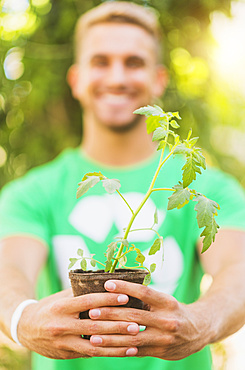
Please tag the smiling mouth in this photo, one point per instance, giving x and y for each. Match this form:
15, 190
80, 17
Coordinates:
116, 99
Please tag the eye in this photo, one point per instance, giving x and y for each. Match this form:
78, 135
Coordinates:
135, 62
99, 61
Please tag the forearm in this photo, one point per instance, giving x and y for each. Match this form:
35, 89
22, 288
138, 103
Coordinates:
222, 307
21, 259
14, 289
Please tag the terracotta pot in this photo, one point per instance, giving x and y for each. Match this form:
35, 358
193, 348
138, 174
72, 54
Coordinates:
85, 282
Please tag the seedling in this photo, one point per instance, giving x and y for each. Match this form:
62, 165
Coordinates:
160, 125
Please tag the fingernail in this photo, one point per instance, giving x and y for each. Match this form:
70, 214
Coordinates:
133, 328
131, 352
94, 313
96, 340
122, 298
110, 285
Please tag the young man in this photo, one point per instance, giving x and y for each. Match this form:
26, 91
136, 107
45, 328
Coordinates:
116, 71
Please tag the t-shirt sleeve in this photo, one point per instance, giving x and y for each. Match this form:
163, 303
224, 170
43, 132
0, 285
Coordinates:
229, 194
24, 209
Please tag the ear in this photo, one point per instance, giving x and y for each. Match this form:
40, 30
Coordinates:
72, 79
161, 80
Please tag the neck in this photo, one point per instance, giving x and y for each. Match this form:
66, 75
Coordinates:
117, 148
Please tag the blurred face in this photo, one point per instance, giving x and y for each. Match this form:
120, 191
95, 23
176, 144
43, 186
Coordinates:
116, 73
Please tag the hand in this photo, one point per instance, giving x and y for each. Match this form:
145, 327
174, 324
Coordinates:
173, 330
53, 329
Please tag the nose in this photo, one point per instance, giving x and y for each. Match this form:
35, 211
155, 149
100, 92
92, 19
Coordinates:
116, 74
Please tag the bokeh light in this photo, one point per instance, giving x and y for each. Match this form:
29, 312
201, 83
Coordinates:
3, 156
13, 6
229, 54
13, 66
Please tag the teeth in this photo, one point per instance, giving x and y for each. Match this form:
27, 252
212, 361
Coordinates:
116, 98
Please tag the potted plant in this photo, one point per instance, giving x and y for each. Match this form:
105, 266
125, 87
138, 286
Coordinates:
160, 124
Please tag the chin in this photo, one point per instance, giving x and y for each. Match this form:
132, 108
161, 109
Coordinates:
121, 125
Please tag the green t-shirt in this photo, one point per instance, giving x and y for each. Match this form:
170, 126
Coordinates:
43, 204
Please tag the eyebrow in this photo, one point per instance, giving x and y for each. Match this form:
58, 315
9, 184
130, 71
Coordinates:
131, 56
98, 56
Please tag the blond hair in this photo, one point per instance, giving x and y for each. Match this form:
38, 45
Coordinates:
119, 12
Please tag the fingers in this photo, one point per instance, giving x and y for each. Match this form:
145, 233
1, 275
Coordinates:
147, 343
84, 346
146, 294
91, 327
117, 340
70, 347
75, 305
148, 338
117, 314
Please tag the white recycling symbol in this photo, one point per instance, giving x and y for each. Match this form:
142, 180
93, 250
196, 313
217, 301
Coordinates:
94, 216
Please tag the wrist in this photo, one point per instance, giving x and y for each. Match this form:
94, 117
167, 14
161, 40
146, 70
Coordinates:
203, 323
16, 318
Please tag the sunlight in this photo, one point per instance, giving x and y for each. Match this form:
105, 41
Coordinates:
13, 66
3, 156
229, 54
13, 6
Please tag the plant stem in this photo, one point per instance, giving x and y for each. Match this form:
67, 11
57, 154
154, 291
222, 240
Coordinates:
124, 254
150, 190
161, 163
148, 229
89, 258
125, 201
158, 189
102, 264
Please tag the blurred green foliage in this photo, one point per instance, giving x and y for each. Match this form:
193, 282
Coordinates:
13, 360
38, 116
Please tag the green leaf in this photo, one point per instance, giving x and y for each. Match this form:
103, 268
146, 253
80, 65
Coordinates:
194, 160
192, 141
83, 264
89, 174
182, 149
190, 168
85, 185
161, 145
174, 124
209, 235
199, 158
108, 266
122, 261
93, 262
80, 252
159, 134
156, 217
140, 257
111, 185
150, 111
72, 262
189, 135
110, 250
152, 123
156, 246
147, 279
125, 243
180, 197
153, 267
206, 211
176, 114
